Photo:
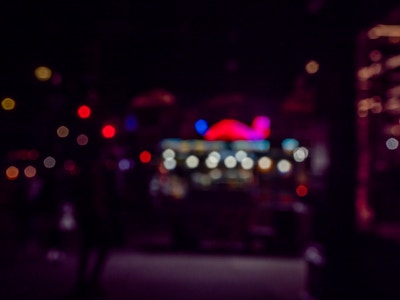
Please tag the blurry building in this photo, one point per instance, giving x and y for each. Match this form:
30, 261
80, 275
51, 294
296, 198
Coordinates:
378, 126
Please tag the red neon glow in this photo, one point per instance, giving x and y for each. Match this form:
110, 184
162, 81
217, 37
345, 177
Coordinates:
301, 190
233, 130
108, 131
84, 111
145, 157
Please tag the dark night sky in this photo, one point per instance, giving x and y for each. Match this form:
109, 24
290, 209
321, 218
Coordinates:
184, 46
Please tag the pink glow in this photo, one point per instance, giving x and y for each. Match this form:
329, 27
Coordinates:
233, 130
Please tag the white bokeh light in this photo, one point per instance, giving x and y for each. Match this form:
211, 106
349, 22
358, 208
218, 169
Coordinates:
240, 155
170, 164
212, 162
49, 162
168, 153
284, 166
192, 161
300, 154
264, 163
247, 163
230, 162
392, 144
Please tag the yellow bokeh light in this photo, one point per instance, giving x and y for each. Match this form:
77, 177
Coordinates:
8, 104
30, 171
12, 172
62, 131
43, 73
312, 67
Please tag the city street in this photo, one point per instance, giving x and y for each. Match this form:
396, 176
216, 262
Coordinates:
132, 274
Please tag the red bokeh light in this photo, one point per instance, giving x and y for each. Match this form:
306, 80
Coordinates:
301, 190
108, 131
84, 111
145, 157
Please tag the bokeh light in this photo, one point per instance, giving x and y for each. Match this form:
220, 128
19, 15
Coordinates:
284, 166
230, 162
69, 165
392, 144
33, 154
62, 131
211, 162
300, 154
12, 173
312, 67
265, 163
43, 73
168, 153
30, 171
131, 123
169, 164
84, 111
201, 126
8, 104
108, 131
247, 163
145, 156
290, 144
82, 139
125, 164
192, 161
49, 162
240, 155
301, 190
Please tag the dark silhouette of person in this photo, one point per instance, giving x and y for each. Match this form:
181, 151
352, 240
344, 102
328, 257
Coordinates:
97, 216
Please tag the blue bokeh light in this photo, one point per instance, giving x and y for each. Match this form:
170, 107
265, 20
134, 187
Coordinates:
131, 123
201, 126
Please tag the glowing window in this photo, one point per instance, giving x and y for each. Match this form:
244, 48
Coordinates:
12, 173
62, 131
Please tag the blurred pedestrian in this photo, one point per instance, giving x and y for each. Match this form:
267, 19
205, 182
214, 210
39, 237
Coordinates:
97, 215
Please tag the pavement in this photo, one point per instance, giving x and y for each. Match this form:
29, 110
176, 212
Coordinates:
133, 274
